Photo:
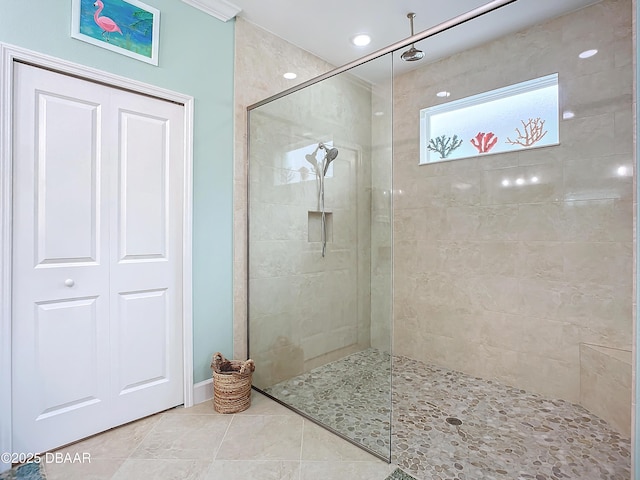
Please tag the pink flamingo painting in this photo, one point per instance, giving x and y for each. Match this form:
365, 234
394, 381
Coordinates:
105, 23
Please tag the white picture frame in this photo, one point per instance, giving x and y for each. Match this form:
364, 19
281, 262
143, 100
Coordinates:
127, 27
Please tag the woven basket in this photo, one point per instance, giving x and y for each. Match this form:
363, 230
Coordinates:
231, 384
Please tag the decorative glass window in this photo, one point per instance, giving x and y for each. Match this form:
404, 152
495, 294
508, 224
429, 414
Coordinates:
520, 116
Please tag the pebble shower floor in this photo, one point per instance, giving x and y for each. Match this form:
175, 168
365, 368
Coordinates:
502, 433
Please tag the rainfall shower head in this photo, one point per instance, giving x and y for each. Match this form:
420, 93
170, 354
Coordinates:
413, 53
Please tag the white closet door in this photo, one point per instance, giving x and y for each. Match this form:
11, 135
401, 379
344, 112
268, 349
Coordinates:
96, 307
146, 255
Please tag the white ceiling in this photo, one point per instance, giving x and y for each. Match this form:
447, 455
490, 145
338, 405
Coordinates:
325, 27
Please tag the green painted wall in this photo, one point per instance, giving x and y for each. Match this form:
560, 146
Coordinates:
195, 58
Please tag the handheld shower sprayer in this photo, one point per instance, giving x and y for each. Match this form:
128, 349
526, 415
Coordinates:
330, 154
311, 158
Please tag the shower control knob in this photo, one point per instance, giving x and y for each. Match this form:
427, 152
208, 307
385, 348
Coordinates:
69, 282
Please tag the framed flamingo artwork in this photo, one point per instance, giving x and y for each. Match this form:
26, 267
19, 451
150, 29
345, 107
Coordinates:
128, 27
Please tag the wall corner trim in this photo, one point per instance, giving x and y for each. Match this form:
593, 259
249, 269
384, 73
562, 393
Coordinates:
221, 9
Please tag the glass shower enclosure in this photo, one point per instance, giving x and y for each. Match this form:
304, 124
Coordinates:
501, 272
320, 254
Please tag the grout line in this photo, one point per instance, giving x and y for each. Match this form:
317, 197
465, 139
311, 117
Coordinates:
215, 455
161, 416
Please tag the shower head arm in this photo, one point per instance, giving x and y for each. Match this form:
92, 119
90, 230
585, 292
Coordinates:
413, 53
411, 16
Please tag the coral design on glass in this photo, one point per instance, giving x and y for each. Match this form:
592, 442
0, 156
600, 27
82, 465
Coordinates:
533, 133
487, 121
484, 141
444, 145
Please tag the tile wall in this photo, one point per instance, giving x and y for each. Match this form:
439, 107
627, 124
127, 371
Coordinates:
306, 310
506, 283
261, 59
509, 282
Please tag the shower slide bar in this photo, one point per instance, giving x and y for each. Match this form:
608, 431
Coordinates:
454, 22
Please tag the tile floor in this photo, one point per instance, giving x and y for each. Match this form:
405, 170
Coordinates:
497, 432
265, 442
351, 395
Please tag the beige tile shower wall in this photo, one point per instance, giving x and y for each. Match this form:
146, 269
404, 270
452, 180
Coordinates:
605, 384
261, 58
305, 309
381, 217
507, 283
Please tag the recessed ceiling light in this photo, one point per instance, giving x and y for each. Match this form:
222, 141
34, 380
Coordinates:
588, 53
534, 179
361, 40
622, 171
290, 75
443, 94
506, 183
520, 181
568, 115
378, 114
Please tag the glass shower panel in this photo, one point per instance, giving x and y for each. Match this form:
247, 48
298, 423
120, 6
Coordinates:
320, 253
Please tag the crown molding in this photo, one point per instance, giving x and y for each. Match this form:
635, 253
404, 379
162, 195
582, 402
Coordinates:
221, 9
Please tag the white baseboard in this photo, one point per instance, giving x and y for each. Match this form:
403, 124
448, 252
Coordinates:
203, 391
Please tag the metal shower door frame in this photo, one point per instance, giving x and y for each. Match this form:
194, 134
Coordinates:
430, 32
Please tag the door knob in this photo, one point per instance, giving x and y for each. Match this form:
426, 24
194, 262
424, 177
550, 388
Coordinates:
69, 282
